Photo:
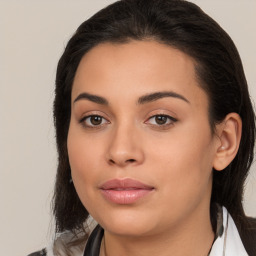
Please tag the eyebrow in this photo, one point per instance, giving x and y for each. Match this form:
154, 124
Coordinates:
159, 95
94, 98
142, 100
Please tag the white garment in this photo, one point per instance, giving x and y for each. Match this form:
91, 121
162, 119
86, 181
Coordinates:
229, 244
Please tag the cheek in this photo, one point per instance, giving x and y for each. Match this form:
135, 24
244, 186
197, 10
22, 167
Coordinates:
184, 177
180, 160
84, 163
84, 155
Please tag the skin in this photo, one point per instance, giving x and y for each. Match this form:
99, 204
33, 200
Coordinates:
176, 158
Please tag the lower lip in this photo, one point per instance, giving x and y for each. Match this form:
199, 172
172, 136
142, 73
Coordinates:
125, 196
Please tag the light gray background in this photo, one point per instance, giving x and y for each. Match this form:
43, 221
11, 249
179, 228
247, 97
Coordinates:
33, 35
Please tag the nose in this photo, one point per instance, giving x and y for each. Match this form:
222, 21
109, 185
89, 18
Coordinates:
125, 147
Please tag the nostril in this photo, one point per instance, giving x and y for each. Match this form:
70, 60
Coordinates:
131, 160
111, 161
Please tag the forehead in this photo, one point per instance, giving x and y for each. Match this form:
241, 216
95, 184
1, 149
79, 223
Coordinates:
137, 67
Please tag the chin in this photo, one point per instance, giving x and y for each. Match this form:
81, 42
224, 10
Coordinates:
128, 229
128, 223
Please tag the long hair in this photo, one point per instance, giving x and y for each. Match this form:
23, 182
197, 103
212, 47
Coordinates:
186, 27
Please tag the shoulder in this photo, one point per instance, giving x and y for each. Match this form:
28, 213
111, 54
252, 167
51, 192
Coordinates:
68, 242
39, 253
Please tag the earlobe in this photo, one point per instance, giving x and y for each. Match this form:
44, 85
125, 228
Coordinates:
229, 134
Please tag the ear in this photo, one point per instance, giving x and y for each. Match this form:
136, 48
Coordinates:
229, 133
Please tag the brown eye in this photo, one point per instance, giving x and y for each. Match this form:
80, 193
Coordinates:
96, 120
161, 119
93, 121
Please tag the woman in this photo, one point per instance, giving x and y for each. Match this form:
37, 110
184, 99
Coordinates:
155, 133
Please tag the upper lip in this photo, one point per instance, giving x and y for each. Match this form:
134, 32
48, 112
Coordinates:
124, 184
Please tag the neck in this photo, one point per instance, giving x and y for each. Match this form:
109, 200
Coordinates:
194, 236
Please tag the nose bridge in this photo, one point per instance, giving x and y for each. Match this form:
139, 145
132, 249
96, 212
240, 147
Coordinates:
124, 146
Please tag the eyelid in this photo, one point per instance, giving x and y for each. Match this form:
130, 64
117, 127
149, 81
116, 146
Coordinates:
162, 112
100, 113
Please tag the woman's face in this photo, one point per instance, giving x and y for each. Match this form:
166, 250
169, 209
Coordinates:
140, 145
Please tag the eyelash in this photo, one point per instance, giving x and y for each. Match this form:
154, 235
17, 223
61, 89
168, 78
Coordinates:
171, 119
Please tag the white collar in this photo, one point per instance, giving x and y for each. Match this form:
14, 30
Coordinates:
229, 244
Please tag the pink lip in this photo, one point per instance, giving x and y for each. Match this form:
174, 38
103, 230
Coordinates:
124, 191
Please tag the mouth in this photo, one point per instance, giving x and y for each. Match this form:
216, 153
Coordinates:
125, 191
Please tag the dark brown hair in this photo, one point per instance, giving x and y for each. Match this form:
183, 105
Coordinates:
182, 25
